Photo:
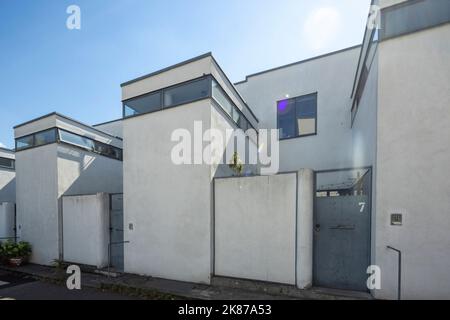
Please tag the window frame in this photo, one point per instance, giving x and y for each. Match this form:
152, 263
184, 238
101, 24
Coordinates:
211, 79
316, 94
13, 163
58, 140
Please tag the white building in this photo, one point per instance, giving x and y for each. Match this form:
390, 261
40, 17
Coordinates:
56, 157
371, 121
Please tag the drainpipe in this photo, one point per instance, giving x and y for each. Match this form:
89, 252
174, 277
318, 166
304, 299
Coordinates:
399, 292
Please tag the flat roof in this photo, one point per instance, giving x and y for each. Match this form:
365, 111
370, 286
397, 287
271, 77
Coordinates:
107, 122
67, 118
208, 54
297, 63
7, 150
205, 55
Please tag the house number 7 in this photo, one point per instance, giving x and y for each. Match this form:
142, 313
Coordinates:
362, 205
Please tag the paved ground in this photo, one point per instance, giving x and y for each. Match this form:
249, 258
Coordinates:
42, 282
24, 288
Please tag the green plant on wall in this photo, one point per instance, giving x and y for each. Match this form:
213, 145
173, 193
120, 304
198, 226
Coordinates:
236, 164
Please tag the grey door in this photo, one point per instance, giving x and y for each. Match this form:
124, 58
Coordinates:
116, 229
342, 242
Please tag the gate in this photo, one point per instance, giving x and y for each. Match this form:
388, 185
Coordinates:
342, 229
116, 245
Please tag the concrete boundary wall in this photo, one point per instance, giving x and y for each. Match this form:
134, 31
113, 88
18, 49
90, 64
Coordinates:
263, 228
86, 229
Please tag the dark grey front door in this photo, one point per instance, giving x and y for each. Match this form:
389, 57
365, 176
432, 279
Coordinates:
342, 242
116, 228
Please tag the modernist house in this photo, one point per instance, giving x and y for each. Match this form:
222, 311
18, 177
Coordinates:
362, 182
55, 157
371, 121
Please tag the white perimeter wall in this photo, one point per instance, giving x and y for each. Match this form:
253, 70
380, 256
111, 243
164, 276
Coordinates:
86, 229
257, 225
413, 163
169, 206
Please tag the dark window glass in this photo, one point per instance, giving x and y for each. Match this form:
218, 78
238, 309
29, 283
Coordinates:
297, 116
286, 118
7, 163
108, 151
45, 137
187, 92
144, 104
24, 142
76, 140
221, 98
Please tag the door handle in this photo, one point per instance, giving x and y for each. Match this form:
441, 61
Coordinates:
317, 228
343, 227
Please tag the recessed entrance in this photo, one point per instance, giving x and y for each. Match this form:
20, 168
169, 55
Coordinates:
342, 219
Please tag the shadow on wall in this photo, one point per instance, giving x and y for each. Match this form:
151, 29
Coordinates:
83, 173
8, 192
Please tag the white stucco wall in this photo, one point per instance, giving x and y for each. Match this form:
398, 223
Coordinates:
86, 229
81, 172
7, 179
255, 228
113, 128
7, 220
332, 78
7, 185
168, 205
37, 204
46, 173
413, 158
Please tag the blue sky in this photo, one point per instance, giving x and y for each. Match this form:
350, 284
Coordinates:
45, 67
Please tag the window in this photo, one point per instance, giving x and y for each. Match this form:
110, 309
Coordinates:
51, 136
91, 145
77, 140
144, 104
24, 142
185, 93
221, 98
45, 137
206, 87
7, 163
297, 117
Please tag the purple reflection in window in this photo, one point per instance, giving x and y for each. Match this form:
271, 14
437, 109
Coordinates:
282, 105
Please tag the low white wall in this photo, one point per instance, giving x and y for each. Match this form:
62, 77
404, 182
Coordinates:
263, 228
86, 229
7, 220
